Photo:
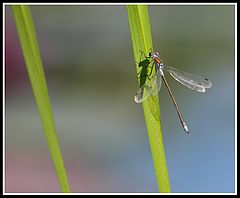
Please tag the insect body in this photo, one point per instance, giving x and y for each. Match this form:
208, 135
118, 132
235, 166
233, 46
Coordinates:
153, 86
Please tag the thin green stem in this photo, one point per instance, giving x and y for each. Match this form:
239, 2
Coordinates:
29, 44
142, 41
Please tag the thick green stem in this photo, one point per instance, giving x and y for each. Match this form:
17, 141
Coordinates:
142, 41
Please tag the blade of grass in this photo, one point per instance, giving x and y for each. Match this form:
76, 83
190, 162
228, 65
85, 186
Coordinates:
142, 41
28, 40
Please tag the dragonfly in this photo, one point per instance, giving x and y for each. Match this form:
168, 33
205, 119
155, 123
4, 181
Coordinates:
152, 86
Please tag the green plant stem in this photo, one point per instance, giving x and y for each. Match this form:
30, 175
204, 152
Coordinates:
142, 41
28, 40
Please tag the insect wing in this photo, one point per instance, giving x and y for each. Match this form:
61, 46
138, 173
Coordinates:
156, 83
142, 93
191, 81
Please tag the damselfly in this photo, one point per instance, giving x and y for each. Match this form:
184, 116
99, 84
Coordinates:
153, 85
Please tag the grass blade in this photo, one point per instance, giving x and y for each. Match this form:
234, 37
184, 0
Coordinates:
142, 41
28, 40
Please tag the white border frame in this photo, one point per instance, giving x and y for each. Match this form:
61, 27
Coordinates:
115, 4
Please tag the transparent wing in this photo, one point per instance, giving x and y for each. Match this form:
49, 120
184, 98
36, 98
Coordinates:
142, 93
191, 81
150, 87
156, 83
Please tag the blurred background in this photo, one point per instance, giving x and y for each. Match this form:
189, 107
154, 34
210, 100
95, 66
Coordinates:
90, 70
